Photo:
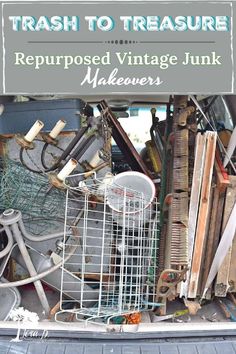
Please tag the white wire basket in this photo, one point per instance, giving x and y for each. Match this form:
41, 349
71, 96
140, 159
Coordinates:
115, 262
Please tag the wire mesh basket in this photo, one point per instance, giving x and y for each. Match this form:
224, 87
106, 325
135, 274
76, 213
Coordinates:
42, 206
116, 260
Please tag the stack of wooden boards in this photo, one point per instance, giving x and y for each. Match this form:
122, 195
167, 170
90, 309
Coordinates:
212, 199
198, 211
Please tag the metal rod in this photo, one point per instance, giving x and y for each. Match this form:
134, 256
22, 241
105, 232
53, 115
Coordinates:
43, 156
206, 109
29, 264
9, 245
33, 238
80, 150
73, 143
22, 150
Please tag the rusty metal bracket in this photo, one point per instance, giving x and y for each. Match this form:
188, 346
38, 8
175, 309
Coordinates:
168, 280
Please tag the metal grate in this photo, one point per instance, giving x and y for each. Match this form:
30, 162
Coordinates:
116, 260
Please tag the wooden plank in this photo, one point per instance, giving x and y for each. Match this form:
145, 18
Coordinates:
222, 178
219, 218
223, 247
217, 233
222, 182
230, 148
211, 235
222, 280
207, 248
194, 203
232, 270
203, 213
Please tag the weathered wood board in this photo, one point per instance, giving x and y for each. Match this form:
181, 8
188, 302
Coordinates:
222, 281
194, 203
232, 270
202, 214
216, 216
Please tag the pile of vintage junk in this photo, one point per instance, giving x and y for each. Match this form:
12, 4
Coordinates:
151, 240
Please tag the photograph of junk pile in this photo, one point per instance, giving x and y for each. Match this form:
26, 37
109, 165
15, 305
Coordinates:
118, 211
